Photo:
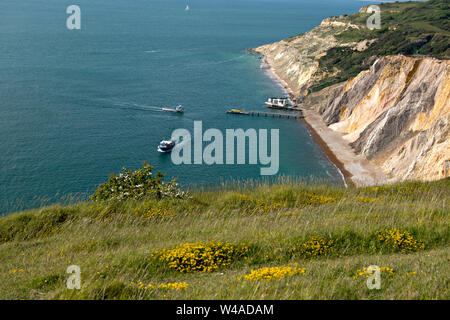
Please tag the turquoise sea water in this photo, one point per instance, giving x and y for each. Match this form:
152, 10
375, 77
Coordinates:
78, 105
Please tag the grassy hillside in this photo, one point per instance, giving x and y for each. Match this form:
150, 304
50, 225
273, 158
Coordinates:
408, 28
219, 245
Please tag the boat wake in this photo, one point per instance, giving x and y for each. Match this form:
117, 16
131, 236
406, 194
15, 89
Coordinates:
132, 106
227, 60
194, 65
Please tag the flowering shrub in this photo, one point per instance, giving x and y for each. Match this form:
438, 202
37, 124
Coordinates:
262, 207
364, 273
274, 273
201, 257
309, 198
315, 246
136, 185
367, 200
252, 204
175, 286
154, 213
406, 190
400, 240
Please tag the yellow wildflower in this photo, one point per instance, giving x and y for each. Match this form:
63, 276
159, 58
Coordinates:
399, 239
274, 273
201, 257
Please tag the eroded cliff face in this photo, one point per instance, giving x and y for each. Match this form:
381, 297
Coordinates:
396, 114
296, 58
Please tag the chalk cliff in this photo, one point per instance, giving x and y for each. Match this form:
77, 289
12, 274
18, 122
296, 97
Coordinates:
396, 113
296, 58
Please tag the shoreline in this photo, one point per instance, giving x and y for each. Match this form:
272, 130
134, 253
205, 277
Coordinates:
346, 175
355, 170
278, 79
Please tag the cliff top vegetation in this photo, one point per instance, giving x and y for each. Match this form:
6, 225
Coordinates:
407, 28
281, 241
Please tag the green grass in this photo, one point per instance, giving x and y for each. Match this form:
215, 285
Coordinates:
113, 242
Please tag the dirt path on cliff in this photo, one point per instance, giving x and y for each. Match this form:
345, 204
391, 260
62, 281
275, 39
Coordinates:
356, 169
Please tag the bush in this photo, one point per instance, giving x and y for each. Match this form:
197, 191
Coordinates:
399, 240
201, 257
274, 273
314, 247
37, 224
137, 184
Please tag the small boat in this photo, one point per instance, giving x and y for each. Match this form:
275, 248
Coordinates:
179, 109
166, 146
187, 8
237, 111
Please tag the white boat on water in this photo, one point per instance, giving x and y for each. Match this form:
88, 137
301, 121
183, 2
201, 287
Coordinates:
166, 146
179, 109
187, 8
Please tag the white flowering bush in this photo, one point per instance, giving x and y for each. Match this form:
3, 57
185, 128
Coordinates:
138, 184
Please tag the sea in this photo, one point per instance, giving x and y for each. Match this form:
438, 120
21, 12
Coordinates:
77, 105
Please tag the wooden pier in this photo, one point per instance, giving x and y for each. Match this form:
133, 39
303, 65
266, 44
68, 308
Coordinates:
268, 114
275, 115
293, 108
